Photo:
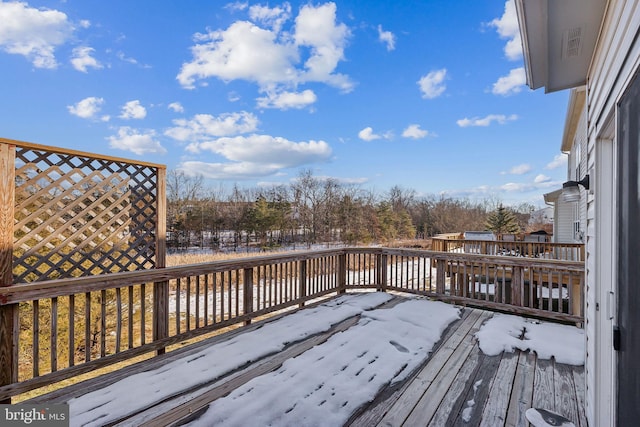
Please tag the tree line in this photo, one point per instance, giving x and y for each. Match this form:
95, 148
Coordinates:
314, 210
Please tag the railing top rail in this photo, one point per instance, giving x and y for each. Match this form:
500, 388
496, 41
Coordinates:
60, 287
58, 150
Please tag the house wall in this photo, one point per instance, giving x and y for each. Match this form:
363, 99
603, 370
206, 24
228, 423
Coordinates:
616, 58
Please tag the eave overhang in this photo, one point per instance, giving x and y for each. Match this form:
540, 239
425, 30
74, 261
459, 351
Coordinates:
558, 40
577, 99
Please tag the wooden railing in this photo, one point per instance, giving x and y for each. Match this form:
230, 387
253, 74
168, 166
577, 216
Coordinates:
73, 326
547, 250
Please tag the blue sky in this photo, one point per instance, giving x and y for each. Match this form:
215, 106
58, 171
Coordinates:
427, 95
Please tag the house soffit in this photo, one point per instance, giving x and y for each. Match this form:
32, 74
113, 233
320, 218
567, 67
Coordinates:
558, 40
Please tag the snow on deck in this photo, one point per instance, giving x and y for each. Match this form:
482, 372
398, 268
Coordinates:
437, 378
325, 385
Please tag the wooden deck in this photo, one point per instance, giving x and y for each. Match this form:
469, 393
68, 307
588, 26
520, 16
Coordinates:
456, 385
450, 388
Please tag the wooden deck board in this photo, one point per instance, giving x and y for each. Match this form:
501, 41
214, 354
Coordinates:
477, 393
428, 403
455, 398
495, 409
565, 392
522, 390
579, 382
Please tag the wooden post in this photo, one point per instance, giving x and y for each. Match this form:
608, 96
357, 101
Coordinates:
517, 283
161, 289
440, 276
302, 281
381, 272
8, 313
342, 273
248, 293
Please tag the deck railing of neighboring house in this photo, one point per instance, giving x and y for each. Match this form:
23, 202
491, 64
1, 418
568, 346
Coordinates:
523, 248
68, 327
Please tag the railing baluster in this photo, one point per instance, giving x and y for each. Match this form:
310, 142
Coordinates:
118, 319
72, 331
36, 338
130, 320
87, 327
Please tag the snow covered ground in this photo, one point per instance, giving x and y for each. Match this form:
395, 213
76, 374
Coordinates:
324, 385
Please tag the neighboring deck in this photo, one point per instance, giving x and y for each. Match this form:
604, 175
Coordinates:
456, 383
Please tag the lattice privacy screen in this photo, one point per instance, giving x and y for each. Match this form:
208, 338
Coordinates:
78, 216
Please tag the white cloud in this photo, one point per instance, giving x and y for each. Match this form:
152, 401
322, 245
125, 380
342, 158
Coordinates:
205, 126
367, 134
133, 110
414, 131
511, 83
387, 37
317, 30
270, 57
176, 107
272, 17
81, 59
121, 56
87, 108
507, 27
254, 156
140, 143
539, 179
486, 121
287, 100
33, 33
236, 6
520, 169
266, 149
85, 23
525, 187
432, 85
558, 161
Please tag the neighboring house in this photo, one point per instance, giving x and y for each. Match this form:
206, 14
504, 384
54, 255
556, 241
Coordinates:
592, 47
570, 217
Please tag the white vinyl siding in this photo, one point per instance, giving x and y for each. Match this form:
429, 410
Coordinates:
615, 60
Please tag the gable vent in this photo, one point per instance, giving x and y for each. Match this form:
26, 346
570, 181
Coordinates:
572, 43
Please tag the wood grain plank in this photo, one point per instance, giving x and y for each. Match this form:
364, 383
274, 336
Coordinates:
456, 396
522, 391
579, 382
495, 410
428, 403
477, 393
565, 392
543, 388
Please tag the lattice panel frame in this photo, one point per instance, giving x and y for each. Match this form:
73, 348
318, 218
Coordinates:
78, 215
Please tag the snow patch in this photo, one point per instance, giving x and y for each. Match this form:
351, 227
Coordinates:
115, 401
505, 332
325, 385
